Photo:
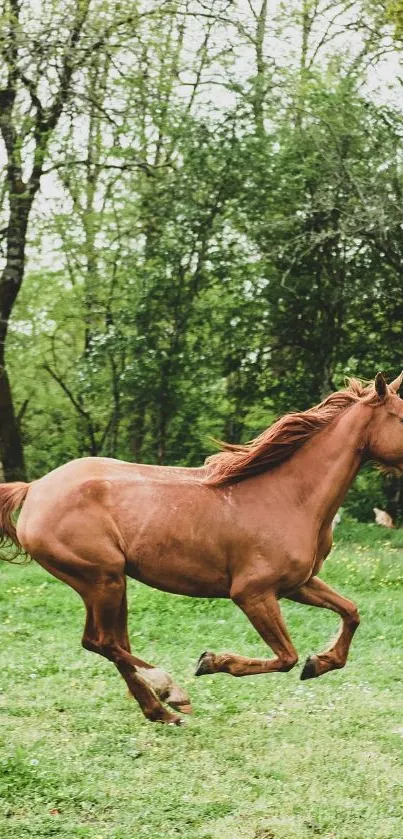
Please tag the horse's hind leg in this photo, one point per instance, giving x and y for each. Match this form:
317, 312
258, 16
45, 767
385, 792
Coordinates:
106, 633
317, 593
101, 584
160, 681
264, 613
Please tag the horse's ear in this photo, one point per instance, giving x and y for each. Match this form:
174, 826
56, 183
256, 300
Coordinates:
397, 383
380, 385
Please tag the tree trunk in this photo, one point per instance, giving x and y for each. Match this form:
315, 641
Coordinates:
260, 80
137, 430
11, 449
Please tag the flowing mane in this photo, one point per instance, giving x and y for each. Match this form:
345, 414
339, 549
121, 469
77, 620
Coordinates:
278, 442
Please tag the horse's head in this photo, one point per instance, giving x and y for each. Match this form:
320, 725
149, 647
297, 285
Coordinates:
385, 443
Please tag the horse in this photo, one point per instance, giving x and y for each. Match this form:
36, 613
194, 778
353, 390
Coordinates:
253, 524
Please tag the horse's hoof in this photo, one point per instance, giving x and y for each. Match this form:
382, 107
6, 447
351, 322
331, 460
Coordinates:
309, 671
179, 700
166, 718
184, 708
178, 721
205, 664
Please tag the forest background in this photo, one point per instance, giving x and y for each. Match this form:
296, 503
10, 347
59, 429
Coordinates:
201, 222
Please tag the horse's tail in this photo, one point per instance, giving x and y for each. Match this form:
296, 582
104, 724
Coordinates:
11, 498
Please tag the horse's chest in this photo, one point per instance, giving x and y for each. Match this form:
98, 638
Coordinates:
299, 562
300, 570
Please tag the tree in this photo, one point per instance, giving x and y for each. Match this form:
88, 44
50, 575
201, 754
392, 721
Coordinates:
42, 69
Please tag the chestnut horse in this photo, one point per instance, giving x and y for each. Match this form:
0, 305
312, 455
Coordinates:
253, 524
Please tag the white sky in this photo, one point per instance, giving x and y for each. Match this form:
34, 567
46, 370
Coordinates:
282, 44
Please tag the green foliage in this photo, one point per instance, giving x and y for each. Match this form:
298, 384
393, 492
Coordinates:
394, 14
367, 492
200, 264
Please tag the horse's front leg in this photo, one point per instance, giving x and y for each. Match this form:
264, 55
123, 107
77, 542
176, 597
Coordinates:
317, 593
264, 613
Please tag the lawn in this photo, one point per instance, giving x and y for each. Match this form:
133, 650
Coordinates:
266, 757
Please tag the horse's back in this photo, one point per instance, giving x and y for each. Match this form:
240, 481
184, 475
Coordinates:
91, 494
163, 522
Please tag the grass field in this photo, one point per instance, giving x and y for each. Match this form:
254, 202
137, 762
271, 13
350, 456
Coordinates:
265, 757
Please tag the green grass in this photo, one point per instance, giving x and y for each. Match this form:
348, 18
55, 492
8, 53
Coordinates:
267, 757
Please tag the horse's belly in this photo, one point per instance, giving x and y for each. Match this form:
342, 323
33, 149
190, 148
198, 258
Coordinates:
176, 539
193, 576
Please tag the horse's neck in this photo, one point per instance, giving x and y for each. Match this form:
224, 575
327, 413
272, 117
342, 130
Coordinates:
325, 467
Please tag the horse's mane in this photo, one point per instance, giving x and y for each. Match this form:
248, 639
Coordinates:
284, 437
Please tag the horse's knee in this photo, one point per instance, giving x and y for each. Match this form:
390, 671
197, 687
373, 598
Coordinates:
103, 646
288, 661
112, 582
353, 617
90, 645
